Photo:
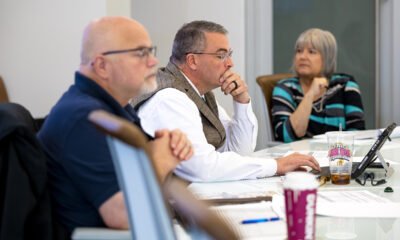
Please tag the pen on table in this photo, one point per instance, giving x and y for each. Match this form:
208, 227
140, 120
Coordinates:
259, 220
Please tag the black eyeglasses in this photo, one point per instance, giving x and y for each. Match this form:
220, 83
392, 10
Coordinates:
223, 56
141, 52
362, 180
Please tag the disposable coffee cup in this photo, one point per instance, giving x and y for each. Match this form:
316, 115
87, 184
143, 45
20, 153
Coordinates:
300, 190
340, 153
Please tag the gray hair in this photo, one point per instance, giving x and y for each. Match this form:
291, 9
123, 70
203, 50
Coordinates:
325, 43
191, 38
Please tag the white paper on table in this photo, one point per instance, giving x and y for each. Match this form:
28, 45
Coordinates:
235, 214
353, 204
358, 135
356, 204
366, 134
237, 189
357, 142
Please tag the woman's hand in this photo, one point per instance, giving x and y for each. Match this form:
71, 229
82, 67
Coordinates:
318, 87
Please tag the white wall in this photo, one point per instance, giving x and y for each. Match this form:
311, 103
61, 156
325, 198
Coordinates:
40, 40
40, 44
163, 19
388, 101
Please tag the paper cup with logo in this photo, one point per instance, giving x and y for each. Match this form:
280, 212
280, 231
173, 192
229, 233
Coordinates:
340, 153
300, 190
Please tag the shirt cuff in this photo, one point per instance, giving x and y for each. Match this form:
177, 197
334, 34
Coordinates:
269, 166
242, 109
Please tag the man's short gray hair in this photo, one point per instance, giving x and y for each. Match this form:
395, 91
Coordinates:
325, 43
191, 38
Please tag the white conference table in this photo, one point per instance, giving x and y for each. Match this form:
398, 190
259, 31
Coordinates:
356, 228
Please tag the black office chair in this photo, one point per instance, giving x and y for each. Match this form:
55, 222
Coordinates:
25, 207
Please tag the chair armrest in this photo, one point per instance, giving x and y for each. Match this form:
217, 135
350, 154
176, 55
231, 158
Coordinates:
100, 234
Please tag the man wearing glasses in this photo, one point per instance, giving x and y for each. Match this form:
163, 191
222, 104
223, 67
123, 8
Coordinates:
117, 63
201, 62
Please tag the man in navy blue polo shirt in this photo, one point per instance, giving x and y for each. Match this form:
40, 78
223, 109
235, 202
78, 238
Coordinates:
117, 63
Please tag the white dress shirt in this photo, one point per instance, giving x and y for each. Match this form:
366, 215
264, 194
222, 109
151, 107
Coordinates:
172, 109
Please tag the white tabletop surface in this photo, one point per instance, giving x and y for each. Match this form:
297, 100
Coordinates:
353, 228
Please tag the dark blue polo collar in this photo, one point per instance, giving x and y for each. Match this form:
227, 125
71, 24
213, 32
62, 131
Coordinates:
91, 88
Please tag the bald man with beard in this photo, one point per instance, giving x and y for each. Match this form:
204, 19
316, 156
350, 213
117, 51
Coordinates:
117, 63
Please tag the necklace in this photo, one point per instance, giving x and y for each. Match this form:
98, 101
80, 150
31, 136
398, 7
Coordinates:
319, 106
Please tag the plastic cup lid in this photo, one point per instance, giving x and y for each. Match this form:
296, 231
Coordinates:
300, 180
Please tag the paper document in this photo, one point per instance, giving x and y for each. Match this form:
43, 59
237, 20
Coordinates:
237, 189
352, 204
366, 134
237, 215
361, 134
363, 203
360, 196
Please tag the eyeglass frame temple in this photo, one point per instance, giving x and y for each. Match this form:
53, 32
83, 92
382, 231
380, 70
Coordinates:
152, 50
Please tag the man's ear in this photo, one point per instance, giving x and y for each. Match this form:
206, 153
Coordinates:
99, 66
191, 61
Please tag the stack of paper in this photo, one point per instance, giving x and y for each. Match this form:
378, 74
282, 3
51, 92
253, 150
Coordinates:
237, 189
353, 204
358, 135
361, 203
243, 218
367, 134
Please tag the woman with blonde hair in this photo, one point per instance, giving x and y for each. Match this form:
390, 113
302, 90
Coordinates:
317, 99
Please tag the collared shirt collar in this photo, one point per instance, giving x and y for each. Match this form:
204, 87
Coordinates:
193, 86
91, 88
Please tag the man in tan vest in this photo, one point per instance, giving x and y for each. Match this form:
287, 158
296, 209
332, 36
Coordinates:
200, 62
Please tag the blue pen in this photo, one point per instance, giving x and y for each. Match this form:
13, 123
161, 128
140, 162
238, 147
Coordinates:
259, 220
